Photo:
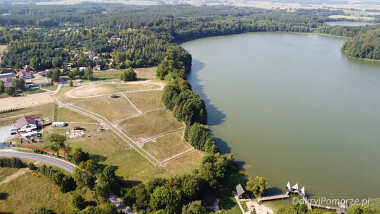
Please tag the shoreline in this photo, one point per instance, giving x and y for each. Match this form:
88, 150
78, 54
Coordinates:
283, 32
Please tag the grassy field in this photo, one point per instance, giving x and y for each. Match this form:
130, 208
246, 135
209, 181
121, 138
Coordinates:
65, 115
51, 88
5, 172
114, 74
227, 200
62, 95
111, 108
27, 193
147, 101
43, 111
167, 146
186, 163
98, 89
146, 73
150, 124
130, 87
132, 166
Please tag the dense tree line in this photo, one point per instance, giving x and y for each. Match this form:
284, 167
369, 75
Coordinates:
181, 193
65, 182
366, 45
345, 31
11, 162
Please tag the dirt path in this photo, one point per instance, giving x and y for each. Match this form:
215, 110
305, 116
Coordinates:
13, 176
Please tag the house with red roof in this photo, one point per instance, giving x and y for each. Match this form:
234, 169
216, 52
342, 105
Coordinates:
24, 74
26, 125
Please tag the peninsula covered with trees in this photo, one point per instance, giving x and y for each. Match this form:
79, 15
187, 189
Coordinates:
366, 45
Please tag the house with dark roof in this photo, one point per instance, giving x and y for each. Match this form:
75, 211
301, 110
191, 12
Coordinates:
26, 125
7, 78
241, 192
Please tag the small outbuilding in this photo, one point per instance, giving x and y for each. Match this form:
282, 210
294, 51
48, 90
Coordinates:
241, 192
58, 124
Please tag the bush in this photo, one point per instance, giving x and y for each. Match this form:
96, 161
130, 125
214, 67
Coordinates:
198, 136
78, 201
31, 166
128, 75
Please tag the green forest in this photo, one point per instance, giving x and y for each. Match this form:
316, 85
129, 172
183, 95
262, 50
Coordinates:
120, 36
366, 45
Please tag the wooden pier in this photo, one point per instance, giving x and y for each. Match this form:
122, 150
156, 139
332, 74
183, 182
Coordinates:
274, 197
341, 209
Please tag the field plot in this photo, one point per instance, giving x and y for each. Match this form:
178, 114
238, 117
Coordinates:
25, 102
185, 163
99, 89
111, 108
167, 146
150, 125
5, 172
43, 111
27, 193
132, 166
65, 115
135, 86
146, 73
147, 101
114, 74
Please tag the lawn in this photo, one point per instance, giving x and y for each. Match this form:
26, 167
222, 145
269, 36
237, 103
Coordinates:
132, 86
65, 115
99, 89
63, 94
227, 200
108, 74
167, 146
186, 163
114, 74
147, 101
111, 108
133, 166
6, 171
150, 124
51, 88
146, 73
35, 91
43, 111
27, 193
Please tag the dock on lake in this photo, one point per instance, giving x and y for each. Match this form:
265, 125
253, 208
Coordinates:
273, 197
301, 192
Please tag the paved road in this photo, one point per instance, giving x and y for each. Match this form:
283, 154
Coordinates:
65, 165
5, 133
119, 204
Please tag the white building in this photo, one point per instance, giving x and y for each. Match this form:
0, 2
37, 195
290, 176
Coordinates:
58, 124
26, 125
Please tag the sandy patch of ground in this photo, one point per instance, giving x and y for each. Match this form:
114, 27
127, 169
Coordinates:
100, 89
25, 102
260, 209
88, 90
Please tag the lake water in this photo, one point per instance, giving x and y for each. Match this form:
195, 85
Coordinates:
292, 107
